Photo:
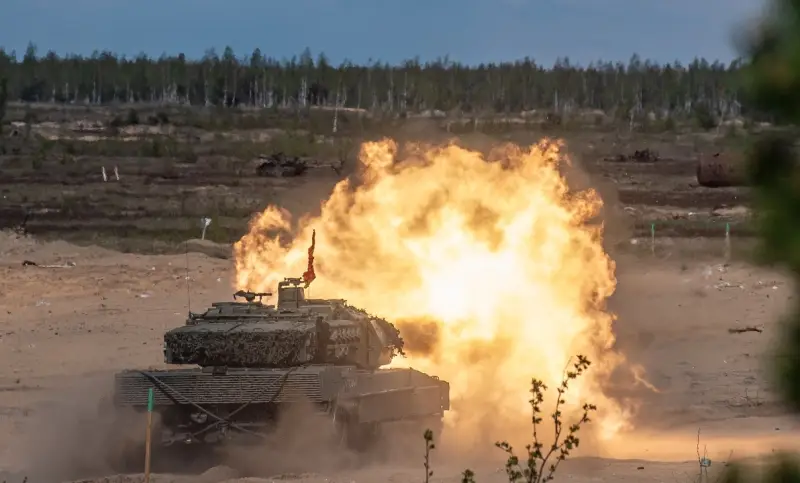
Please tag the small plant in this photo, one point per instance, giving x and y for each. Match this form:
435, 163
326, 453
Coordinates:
540, 464
536, 467
467, 476
429, 445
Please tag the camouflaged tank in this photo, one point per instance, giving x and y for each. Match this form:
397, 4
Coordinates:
241, 364
297, 332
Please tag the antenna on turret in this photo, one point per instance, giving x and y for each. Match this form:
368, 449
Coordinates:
188, 290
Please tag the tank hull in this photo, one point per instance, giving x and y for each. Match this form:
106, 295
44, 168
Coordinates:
215, 405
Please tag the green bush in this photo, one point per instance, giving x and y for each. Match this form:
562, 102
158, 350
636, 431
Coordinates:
540, 461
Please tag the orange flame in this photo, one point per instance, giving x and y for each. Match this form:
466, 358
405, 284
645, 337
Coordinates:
490, 270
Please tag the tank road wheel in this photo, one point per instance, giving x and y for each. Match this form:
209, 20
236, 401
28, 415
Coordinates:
402, 441
362, 437
354, 435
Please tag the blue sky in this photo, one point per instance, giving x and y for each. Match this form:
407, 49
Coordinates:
470, 31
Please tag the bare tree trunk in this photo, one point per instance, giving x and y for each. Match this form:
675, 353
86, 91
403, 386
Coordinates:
336, 109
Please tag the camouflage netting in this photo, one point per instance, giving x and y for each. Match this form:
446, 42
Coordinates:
253, 335
392, 333
236, 344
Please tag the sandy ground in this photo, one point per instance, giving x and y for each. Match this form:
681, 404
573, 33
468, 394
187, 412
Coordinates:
64, 330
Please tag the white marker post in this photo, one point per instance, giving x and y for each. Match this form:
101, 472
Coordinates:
148, 435
105, 177
204, 222
653, 239
727, 242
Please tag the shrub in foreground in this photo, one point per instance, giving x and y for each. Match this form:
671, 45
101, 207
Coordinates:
541, 461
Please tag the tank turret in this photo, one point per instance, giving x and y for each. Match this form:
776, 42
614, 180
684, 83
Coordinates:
294, 332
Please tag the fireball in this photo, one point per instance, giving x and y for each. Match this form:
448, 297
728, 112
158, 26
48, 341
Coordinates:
491, 266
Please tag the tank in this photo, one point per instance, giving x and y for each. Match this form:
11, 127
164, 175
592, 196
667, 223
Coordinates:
240, 364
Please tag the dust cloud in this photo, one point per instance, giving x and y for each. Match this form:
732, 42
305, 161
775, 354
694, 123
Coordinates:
69, 436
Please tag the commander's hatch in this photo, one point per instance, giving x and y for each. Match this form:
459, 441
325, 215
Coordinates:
291, 294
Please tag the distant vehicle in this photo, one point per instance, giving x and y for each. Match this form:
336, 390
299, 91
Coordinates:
279, 165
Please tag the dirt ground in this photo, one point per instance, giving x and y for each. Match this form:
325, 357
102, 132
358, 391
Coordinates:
65, 329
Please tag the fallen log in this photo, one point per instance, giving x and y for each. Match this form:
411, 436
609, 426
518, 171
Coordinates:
721, 170
742, 330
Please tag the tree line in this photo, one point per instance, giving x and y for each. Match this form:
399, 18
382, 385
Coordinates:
632, 88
